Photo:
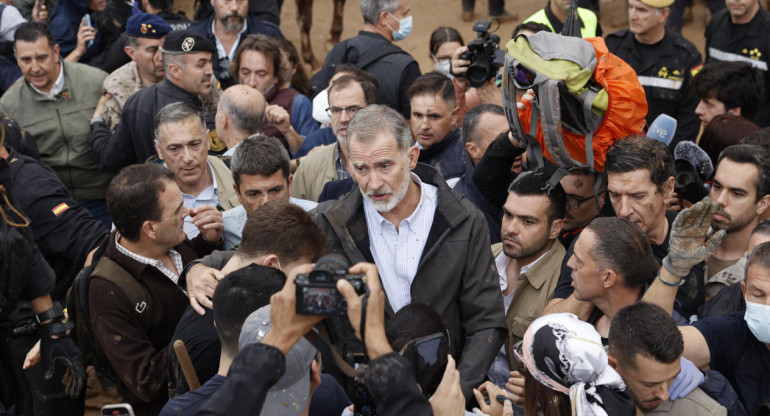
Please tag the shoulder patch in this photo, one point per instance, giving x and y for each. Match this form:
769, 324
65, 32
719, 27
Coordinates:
59, 209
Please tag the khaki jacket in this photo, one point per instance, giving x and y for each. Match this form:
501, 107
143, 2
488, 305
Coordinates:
228, 199
315, 170
122, 84
534, 290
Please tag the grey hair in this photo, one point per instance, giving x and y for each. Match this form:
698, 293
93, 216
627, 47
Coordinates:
370, 9
373, 119
170, 58
760, 256
176, 113
239, 112
131, 41
259, 155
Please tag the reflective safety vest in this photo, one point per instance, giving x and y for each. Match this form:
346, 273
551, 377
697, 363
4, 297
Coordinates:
587, 17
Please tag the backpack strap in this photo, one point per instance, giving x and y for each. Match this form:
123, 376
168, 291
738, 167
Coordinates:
112, 272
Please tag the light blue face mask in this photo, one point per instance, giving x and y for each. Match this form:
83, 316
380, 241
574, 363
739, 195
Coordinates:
404, 28
758, 318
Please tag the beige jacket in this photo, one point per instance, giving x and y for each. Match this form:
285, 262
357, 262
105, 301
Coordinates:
533, 291
695, 403
315, 170
122, 84
228, 199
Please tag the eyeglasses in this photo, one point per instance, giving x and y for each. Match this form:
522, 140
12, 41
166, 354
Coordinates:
336, 111
575, 201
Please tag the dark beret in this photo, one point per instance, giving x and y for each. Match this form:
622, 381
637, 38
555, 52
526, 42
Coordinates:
147, 25
186, 41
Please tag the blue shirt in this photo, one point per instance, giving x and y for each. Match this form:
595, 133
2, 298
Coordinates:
188, 403
302, 116
235, 218
739, 356
317, 138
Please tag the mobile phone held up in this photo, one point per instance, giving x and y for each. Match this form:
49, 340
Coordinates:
119, 409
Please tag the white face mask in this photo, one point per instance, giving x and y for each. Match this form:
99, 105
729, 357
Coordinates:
758, 318
445, 67
320, 104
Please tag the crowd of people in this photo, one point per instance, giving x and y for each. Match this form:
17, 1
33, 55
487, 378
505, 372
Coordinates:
193, 225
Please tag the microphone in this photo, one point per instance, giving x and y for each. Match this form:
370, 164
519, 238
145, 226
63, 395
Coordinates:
662, 129
693, 169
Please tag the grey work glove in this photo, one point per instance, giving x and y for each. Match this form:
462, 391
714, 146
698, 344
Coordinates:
689, 243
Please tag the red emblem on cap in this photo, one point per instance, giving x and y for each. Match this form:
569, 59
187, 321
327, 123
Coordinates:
143, 28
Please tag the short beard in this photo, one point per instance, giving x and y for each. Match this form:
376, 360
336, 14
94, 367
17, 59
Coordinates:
396, 197
232, 27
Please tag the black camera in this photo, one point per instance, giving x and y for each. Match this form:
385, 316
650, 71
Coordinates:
689, 185
485, 56
317, 292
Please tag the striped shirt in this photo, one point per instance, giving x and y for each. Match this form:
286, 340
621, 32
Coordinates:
175, 257
397, 253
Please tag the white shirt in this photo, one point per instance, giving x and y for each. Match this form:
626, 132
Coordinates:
397, 253
231, 152
10, 19
57, 86
207, 196
221, 48
500, 370
173, 275
235, 220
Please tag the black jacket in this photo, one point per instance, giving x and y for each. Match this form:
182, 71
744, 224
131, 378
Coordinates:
752, 47
493, 214
666, 80
448, 156
134, 138
222, 63
456, 274
393, 67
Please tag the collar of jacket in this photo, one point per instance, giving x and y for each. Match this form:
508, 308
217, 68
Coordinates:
348, 220
544, 269
436, 149
166, 87
64, 94
663, 48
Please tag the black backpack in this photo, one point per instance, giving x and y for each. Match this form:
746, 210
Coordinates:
79, 312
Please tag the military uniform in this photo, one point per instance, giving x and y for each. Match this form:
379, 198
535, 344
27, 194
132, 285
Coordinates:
749, 42
122, 84
666, 79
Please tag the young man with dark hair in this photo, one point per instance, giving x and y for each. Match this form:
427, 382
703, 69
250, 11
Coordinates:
738, 344
434, 125
238, 294
278, 235
738, 34
528, 260
645, 347
149, 244
741, 188
261, 173
728, 87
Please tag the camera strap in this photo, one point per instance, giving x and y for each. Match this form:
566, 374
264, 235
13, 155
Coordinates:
320, 339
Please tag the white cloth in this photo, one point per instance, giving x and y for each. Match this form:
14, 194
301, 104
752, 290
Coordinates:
397, 253
57, 86
207, 196
235, 220
231, 152
10, 19
173, 275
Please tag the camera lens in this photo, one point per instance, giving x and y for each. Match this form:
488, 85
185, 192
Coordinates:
478, 72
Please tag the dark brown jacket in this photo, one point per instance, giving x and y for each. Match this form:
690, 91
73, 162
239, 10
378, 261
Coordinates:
139, 354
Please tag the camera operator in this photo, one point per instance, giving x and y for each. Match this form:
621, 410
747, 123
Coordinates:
257, 367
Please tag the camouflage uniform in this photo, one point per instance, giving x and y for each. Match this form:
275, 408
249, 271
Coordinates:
122, 84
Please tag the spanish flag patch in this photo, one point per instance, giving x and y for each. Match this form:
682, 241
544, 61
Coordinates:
57, 210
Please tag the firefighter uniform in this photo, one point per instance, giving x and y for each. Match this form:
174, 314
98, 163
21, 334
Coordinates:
664, 70
750, 42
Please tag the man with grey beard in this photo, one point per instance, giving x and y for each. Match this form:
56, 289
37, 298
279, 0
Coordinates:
430, 245
226, 28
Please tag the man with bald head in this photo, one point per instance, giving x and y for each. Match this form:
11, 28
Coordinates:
240, 113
